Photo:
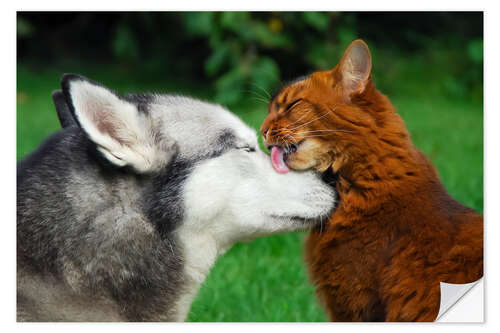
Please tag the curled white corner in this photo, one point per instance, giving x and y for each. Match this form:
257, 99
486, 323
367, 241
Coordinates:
460, 305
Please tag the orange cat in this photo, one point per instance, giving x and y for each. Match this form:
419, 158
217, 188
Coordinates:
396, 233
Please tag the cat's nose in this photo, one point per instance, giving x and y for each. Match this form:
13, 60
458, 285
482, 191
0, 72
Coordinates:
264, 129
266, 125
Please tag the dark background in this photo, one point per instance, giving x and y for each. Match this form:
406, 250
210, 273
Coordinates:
235, 50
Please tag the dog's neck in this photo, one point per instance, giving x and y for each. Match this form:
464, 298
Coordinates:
200, 251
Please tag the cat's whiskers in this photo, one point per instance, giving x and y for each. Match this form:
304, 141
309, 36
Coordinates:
285, 145
262, 89
315, 136
318, 118
281, 137
300, 118
327, 130
260, 99
258, 96
307, 113
295, 141
318, 133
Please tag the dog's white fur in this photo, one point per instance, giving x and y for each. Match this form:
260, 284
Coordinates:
238, 197
227, 197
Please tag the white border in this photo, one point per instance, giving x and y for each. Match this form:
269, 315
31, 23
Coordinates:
491, 184
465, 303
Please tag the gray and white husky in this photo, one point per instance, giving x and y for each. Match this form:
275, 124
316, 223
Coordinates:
122, 213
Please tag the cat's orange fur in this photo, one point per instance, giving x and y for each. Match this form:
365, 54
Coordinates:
396, 233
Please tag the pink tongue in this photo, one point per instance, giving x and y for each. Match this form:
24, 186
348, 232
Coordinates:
277, 160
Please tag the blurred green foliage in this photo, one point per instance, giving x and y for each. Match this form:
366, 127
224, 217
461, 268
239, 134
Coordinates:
24, 28
244, 46
249, 54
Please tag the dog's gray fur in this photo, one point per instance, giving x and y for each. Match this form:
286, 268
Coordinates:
121, 215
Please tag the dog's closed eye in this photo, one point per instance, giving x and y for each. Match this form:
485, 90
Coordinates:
247, 149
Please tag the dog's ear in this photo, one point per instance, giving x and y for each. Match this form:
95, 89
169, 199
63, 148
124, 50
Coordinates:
63, 112
125, 136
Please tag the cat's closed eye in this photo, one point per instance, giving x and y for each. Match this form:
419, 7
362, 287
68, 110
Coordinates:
291, 105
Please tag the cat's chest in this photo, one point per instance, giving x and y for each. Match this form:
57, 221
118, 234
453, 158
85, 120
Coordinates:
354, 248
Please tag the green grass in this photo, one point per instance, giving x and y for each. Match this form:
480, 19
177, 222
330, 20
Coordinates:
265, 280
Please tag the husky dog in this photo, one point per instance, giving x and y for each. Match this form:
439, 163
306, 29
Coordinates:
122, 213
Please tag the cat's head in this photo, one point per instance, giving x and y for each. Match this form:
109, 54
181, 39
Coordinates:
330, 118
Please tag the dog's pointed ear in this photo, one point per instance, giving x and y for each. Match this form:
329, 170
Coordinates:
125, 136
63, 112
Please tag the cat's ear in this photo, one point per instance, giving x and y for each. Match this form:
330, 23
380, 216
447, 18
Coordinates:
355, 67
121, 133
